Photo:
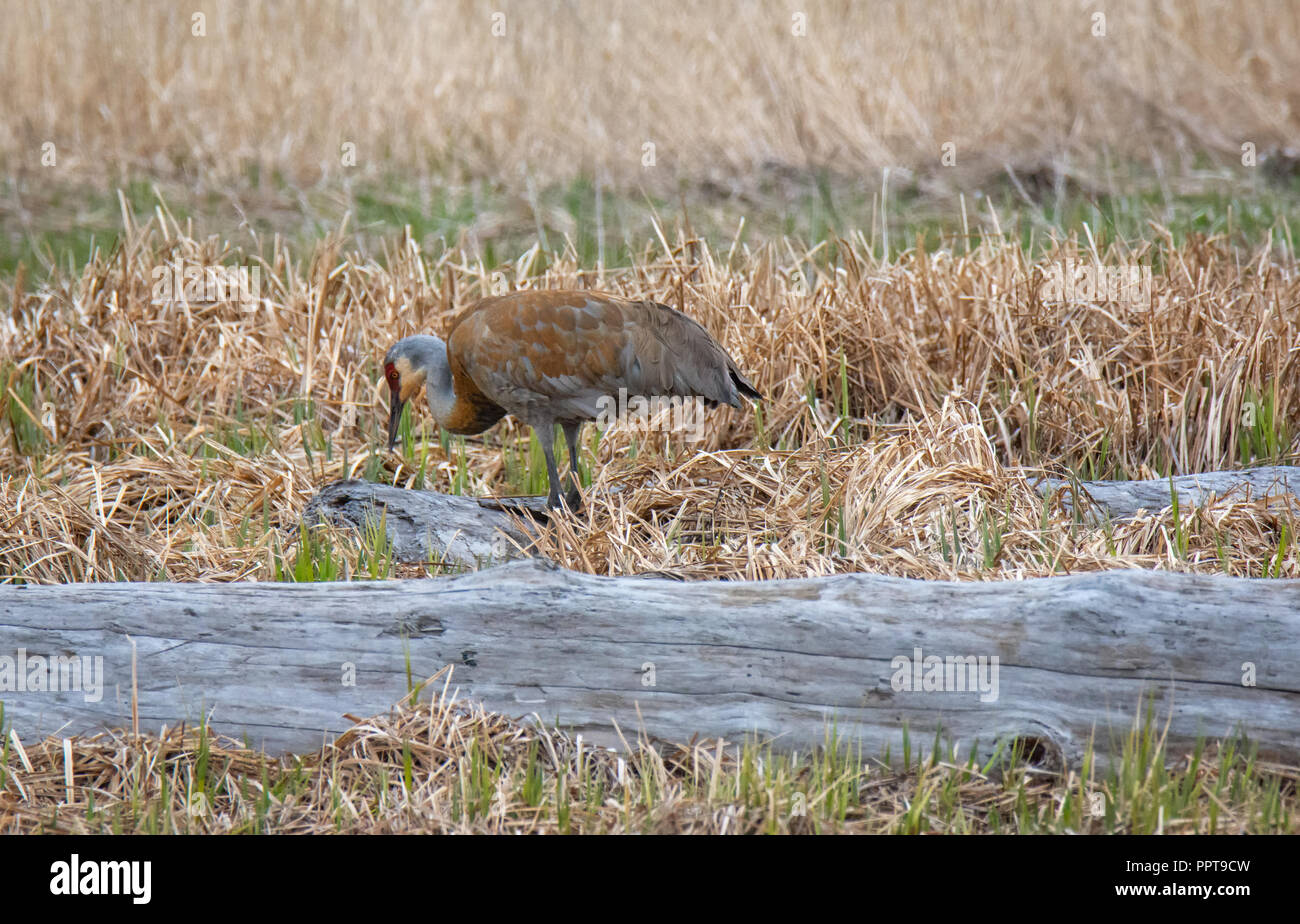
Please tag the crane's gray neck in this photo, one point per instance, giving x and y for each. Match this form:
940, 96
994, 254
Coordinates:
430, 355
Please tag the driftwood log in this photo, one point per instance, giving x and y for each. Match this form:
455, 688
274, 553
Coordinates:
470, 532
281, 664
427, 525
1125, 498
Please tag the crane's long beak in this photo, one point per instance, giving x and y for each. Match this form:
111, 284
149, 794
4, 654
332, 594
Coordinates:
394, 418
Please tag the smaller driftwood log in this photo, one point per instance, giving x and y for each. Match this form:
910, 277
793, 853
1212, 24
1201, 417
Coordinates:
1126, 498
470, 532
429, 526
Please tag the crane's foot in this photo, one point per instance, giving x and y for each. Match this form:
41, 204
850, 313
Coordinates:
571, 500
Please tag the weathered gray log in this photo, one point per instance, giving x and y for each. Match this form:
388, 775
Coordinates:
429, 526
473, 532
778, 658
1126, 498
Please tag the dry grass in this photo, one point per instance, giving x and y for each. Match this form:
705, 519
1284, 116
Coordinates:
727, 94
449, 767
908, 405
924, 499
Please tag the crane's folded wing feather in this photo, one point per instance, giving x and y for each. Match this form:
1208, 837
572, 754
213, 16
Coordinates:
556, 354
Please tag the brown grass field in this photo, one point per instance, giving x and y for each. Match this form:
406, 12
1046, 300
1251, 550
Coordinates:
906, 403
918, 377
724, 91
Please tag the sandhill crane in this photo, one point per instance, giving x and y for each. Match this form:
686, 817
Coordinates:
549, 357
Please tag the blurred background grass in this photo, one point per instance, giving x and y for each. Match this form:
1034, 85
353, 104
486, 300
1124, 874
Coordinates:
493, 124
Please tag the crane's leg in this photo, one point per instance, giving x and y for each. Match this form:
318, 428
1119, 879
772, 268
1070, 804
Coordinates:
546, 436
572, 429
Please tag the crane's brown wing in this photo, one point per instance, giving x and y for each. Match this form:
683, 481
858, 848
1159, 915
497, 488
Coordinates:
672, 354
556, 354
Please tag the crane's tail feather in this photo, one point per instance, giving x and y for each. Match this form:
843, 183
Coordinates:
743, 386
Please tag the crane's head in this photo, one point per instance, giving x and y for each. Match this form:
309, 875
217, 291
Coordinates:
411, 364
405, 373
